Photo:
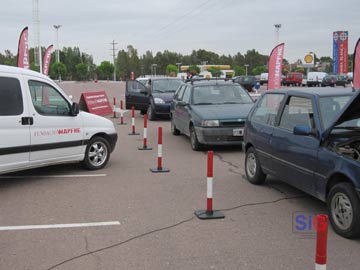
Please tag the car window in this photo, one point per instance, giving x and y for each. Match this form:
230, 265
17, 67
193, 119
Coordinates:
267, 108
47, 100
135, 86
220, 94
330, 107
179, 93
11, 102
297, 111
186, 96
162, 86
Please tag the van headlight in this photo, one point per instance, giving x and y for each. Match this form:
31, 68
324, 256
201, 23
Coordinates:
159, 101
210, 123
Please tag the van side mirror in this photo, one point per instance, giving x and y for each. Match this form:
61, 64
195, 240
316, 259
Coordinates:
75, 109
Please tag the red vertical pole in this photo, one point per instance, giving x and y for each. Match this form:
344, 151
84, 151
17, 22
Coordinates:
133, 120
145, 131
114, 107
210, 174
321, 242
159, 148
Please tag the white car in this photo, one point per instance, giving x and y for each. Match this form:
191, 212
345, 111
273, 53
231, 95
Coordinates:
40, 125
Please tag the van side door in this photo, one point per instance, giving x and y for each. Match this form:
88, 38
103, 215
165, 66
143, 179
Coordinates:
56, 135
15, 123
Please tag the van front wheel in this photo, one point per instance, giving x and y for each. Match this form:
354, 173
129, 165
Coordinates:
97, 154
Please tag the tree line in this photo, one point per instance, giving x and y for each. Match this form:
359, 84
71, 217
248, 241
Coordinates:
77, 65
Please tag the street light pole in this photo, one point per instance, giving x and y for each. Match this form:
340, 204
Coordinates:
246, 67
178, 65
154, 68
57, 27
277, 33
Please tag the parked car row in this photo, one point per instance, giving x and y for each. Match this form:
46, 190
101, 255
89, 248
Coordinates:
308, 138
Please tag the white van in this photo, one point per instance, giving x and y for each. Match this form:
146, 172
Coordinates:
315, 78
264, 78
40, 125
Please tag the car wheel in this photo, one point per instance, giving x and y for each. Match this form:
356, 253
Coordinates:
253, 169
174, 130
150, 113
195, 145
344, 210
142, 112
97, 154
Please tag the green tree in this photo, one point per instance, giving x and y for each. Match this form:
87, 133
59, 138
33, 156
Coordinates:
105, 70
194, 69
58, 70
215, 71
259, 69
171, 70
239, 70
82, 71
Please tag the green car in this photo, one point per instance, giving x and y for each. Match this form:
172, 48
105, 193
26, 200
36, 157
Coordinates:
210, 112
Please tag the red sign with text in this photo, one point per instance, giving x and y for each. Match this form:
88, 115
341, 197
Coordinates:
95, 102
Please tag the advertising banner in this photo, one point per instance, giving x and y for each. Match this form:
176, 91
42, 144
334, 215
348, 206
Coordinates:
275, 67
46, 60
356, 67
309, 60
23, 49
95, 102
340, 52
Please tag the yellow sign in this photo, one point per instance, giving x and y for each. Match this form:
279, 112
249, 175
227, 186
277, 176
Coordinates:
309, 59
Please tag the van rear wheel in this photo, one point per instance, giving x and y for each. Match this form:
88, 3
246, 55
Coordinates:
97, 154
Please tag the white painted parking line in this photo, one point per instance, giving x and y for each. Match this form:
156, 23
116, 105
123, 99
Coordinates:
51, 176
59, 226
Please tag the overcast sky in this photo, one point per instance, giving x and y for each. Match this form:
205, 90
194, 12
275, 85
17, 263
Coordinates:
221, 26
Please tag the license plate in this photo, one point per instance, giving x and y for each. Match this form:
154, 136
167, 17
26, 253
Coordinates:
238, 132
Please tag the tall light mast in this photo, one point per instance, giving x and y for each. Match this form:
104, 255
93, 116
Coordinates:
37, 45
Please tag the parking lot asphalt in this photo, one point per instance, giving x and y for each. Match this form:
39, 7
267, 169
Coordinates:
125, 217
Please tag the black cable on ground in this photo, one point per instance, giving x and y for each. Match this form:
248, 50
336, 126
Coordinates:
167, 228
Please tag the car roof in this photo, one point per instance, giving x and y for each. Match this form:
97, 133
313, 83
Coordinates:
212, 81
23, 71
165, 78
320, 92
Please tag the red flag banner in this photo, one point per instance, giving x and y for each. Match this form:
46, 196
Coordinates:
356, 66
23, 49
46, 60
275, 67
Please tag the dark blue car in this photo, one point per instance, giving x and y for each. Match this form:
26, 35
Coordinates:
310, 139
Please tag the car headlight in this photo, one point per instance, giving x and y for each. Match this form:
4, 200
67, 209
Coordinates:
159, 101
210, 123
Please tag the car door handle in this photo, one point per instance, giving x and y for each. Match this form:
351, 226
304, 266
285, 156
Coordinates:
27, 121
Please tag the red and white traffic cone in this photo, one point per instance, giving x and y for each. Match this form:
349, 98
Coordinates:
121, 113
209, 213
145, 147
159, 168
114, 108
133, 122
321, 242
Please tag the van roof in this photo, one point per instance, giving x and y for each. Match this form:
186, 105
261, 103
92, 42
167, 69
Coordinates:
23, 71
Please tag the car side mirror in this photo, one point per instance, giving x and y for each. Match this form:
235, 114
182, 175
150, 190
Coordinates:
75, 109
303, 130
182, 103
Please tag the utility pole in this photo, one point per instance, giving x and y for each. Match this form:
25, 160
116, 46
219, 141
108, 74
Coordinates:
113, 43
277, 33
57, 42
36, 23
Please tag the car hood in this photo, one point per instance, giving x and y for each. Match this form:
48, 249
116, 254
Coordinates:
166, 96
223, 111
350, 111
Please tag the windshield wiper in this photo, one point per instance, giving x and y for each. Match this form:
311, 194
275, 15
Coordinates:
204, 103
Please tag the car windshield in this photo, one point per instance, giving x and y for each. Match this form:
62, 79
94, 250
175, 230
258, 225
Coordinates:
330, 107
162, 86
220, 94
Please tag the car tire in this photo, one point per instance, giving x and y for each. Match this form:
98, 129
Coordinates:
97, 154
174, 130
254, 173
343, 204
142, 112
195, 145
150, 113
